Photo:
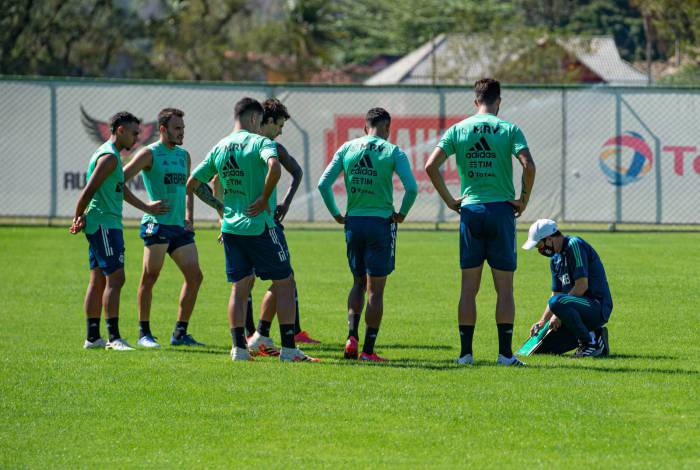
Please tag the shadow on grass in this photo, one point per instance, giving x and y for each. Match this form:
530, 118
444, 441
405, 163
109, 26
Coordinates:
338, 347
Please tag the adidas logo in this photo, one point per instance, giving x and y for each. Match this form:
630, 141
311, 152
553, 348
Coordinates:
364, 167
231, 168
481, 149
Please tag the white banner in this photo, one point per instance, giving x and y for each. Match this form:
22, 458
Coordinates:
602, 154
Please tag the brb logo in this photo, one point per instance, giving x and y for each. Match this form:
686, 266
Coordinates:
638, 165
637, 159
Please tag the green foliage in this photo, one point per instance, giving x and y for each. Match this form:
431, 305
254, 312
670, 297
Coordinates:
688, 74
63, 406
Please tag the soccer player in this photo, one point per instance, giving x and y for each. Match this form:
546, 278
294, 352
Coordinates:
165, 167
275, 115
581, 300
368, 164
99, 213
483, 146
248, 169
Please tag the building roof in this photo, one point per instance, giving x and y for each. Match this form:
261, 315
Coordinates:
459, 59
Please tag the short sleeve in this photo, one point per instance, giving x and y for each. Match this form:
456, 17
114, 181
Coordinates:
578, 257
268, 149
519, 142
206, 170
447, 142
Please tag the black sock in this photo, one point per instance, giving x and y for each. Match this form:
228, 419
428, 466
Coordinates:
238, 337
287, 335
93, 329
264, 328
113, 328
354, 325
249, 322
144, 329
466, 334
370, 338
180, 329
505, 339
297, 325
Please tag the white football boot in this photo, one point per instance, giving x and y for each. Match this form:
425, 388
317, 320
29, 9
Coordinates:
259, 345
119, 344
99, 343
240, 354
509, 361
465, 360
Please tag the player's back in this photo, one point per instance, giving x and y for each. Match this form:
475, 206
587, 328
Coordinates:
167, 180
368, 166
240, 159
105, 207
484, 146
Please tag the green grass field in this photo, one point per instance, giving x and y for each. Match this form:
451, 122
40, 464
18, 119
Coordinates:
62, 406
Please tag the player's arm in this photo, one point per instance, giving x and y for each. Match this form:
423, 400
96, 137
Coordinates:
577, 256
527, 182
325, 186
580, 287
403, 169
432, 167
105, 165
152, 207
274, 171
143, 160
189, 200
290, 164
205, 194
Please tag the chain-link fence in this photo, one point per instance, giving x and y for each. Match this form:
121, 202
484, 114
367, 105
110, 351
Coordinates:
603, 154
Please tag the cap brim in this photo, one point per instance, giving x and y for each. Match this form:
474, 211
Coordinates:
530, 244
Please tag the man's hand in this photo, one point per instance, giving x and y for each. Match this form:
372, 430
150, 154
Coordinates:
78, 224
397, 218
340, 219
281, 212
157, 207
454, 204
189, 225
256, 208
536, 327
518, 206
554, 323
220, 239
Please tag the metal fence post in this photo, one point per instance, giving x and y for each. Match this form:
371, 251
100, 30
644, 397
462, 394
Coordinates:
441, 126
563, 154
54, 155
618, 158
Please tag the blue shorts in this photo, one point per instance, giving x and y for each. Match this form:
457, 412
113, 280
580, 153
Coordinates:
371, 245
265, 255
174, 236
487, 232
106, 250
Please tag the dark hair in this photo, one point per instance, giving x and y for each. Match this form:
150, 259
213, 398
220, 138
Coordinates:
274, 109
122, 118
247, 105
166, 114
376, 116
487, 90
556, 234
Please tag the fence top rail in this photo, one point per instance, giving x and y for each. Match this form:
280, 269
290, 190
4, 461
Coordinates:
265, 85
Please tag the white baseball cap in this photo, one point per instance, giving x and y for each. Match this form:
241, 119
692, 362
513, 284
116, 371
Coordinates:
542, 228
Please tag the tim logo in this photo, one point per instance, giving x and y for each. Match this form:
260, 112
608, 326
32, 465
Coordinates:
99, 131
635, 155
415, 135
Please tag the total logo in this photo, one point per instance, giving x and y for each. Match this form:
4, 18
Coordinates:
637, 158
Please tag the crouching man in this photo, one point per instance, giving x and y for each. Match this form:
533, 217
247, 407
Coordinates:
580, 304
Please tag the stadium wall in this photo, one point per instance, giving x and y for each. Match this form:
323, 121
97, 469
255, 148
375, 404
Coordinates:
603, 154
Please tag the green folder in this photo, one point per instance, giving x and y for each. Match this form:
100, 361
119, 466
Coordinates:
534, 341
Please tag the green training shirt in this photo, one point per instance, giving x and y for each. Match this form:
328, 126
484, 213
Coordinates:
167, 181
240, 160
368, 164
105, 207
484, 146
